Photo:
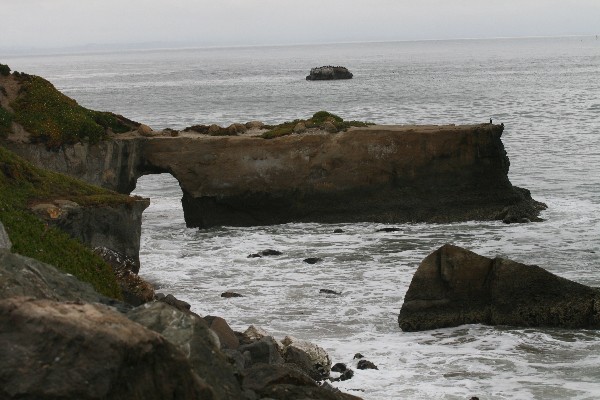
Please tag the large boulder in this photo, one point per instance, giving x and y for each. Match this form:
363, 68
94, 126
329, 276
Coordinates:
53, 350
193, 337
454, 286
309, 357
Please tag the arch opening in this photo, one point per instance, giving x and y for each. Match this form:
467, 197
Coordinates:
165, 210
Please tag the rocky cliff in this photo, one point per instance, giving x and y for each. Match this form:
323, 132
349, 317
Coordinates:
375, 173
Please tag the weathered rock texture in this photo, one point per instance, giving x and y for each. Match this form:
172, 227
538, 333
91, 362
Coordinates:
454, 286
53, 350
114, 227
193, 337
24, 276
5, 243
328, 73
377, 173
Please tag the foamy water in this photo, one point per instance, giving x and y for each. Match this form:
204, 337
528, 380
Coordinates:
546, 91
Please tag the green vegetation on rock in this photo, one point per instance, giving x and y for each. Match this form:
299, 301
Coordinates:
319, 120
22, 184
56, 119
4, 70
6, 119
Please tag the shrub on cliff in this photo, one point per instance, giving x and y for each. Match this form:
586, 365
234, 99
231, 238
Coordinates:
320, 120
55, 119
22, 184
4, 70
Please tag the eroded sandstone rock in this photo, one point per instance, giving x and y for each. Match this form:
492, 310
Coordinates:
454, 286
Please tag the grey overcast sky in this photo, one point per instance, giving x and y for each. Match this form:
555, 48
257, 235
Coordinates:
65, 23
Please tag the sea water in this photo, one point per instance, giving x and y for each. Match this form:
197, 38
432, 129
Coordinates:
545, 90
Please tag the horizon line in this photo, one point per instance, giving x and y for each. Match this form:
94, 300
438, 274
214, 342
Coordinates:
88, 48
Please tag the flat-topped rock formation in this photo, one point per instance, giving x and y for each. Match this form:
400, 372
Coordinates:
327, 73
375, 173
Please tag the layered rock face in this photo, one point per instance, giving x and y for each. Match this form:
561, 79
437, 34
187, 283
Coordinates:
377, 173
454, 286
115, 227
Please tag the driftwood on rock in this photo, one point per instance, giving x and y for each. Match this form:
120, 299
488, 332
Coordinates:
454, 286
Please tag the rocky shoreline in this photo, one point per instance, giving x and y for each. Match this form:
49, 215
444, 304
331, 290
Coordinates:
65, 340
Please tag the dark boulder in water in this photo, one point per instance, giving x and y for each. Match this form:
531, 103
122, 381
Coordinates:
312, 260
271, 252
366, 364
454, 286
229, 295
388, 230
327, 73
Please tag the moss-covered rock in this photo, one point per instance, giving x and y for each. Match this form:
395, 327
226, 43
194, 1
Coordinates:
321, 120
55, 119
22, 185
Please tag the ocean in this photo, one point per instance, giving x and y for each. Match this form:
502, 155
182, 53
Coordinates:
545, 90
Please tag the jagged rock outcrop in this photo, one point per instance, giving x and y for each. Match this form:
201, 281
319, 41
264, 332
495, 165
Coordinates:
327, 73
454, 286
54, 350
378, 173
192, 336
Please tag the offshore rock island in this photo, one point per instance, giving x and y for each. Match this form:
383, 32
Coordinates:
328, 73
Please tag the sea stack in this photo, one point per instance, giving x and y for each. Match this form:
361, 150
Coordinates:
328, 72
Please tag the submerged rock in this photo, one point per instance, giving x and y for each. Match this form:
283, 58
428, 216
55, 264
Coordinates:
328, 73
229, 295
329, 291
312, 260
454, 286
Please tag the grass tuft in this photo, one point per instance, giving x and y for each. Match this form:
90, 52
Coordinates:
55, 119
318, 120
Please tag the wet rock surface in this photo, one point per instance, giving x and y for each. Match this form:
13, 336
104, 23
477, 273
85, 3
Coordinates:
454, 286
